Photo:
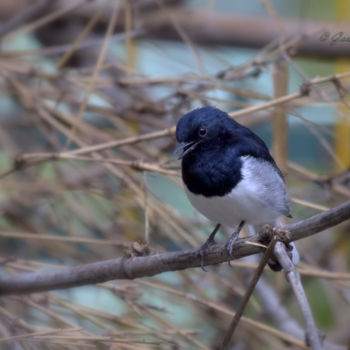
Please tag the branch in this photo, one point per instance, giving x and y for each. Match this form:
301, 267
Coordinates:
248, 294
293, 277
275, 310
136, 267
248, 31
22, 16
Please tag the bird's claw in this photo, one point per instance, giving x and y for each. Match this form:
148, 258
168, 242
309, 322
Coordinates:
203, 249
228, 247
229, 244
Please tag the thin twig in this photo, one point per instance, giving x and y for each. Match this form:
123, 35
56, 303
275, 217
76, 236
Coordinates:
44, 20
251, 287
279, 124
28, 13
259, 326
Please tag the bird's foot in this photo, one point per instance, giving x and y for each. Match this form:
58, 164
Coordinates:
229, 244
210, 241
203, 249
283, 236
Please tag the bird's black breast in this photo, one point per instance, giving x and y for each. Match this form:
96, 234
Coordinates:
211, 173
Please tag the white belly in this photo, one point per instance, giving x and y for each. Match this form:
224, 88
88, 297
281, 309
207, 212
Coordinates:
231, 209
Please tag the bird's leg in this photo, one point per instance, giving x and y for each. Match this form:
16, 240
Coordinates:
232, 239
210, 241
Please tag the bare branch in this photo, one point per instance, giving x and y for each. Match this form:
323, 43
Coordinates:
222, 29
28, 13
249, 292
293, 277
135, 267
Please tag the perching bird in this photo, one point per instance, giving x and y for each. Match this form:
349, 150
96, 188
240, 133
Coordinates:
229, 175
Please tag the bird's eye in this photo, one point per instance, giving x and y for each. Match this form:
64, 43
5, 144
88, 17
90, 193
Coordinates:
202, 131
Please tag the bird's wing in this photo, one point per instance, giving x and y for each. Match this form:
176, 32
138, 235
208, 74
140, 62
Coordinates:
266, 183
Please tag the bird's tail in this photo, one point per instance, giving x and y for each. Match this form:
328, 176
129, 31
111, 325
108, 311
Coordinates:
274, 264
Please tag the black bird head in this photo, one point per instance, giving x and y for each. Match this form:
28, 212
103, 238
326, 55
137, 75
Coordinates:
202, 126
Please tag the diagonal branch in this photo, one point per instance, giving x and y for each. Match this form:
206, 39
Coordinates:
293, 277
136, 267
248, 294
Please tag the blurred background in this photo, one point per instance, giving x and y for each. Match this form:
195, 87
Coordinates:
117, 75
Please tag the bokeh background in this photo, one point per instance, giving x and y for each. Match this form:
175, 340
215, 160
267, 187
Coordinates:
84, 73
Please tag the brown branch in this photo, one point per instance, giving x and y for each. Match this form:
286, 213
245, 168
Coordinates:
136, 267
293, 277
30, 12
279, 124
248, 294
221, 29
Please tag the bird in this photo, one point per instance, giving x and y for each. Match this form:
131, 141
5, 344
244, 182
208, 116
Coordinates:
230, 176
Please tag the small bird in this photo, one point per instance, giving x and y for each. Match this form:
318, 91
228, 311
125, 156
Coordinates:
229, 175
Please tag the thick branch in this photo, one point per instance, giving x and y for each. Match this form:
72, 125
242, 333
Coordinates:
221, 29
135, 267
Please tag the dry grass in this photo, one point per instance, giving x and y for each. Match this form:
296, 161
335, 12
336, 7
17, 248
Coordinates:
86, 171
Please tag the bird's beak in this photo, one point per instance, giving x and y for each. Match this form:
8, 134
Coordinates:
185, 147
